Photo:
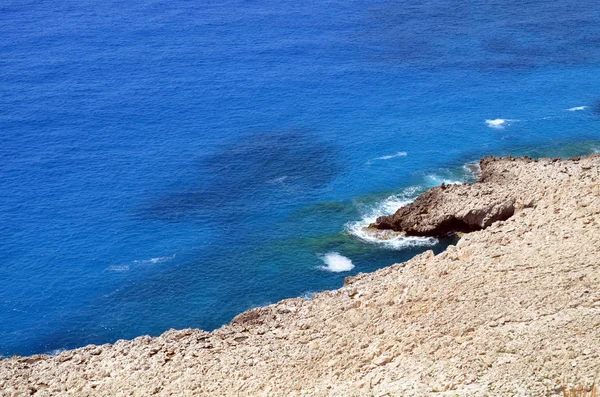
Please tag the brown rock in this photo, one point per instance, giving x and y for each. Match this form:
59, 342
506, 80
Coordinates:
462, 208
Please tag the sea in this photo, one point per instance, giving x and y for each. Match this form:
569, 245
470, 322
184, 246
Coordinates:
171, 164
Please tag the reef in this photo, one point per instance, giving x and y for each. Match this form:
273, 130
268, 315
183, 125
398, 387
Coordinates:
512, 309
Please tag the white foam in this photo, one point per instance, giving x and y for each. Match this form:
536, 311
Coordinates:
392, 156
577, 108
499, 124
388, 239
496, 123
153, 261
55, 352
336, 263
281, 179
436, 180
308, 295
398, 241
472, 170
389, 156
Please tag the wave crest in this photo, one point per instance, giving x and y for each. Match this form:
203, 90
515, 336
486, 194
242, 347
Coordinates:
469, 172
336, 263
499, 124
153, 261
386, 238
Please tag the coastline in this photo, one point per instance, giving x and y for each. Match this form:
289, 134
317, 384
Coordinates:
511, 309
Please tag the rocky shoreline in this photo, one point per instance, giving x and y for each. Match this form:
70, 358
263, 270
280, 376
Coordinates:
512, 309
458, 208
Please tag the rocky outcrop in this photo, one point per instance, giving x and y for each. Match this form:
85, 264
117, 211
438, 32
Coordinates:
463, 207
511, 310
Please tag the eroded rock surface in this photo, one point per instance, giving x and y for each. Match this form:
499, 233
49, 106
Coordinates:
464, 208
511, 310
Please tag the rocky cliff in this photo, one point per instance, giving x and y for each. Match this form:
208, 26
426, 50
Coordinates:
512, 309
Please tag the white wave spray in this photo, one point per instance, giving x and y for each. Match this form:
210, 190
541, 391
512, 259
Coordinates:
499, 124
153, 261
469, 172
434, 180
336, 263
388, 239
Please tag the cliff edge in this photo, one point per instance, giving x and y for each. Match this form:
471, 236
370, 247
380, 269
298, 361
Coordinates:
512, 309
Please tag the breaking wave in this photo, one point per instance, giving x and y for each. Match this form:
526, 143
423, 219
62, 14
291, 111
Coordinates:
499, 123
434, 179
388, 239
336, 263
308, 295
472, 171
469, 172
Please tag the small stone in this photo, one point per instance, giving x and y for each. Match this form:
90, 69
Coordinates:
382, 360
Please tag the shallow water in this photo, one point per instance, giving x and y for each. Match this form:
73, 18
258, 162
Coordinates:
171, 164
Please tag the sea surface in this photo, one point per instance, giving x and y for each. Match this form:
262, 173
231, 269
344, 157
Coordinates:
170, 164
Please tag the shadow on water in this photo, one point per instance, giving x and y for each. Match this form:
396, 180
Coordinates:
208, 287
596, 109
181, 297
241, 190
261, 166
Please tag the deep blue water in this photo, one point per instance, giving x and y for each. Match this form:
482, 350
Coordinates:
173, 163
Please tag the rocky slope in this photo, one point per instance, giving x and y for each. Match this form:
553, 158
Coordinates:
512, 309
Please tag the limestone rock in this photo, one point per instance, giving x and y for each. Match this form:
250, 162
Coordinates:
512, 309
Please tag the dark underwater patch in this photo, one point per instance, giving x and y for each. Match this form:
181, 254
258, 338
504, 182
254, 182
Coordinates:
520, 36
327, 208
596, 109
251, 173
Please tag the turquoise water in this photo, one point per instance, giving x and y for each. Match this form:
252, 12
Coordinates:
171, 164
